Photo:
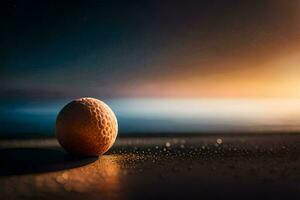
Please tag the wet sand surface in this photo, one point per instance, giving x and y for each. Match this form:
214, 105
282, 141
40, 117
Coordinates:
191, 167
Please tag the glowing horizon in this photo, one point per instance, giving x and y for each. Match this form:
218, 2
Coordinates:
169, 115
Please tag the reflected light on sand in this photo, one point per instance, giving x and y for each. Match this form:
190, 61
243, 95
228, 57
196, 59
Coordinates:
101, 177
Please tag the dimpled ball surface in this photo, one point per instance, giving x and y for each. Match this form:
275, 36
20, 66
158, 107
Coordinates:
86, 126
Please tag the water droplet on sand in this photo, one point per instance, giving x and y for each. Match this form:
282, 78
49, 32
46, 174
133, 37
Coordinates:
219, 141
168, 144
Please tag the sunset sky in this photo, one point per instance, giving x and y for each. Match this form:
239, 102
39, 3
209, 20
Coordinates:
163, 66
218, 49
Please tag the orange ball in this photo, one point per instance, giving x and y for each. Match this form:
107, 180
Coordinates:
86, 127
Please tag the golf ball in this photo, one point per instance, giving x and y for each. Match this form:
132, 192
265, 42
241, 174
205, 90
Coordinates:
87, 127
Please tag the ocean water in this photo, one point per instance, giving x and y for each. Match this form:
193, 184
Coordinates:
163, 116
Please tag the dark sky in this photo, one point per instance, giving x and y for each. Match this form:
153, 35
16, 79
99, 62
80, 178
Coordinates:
150, 48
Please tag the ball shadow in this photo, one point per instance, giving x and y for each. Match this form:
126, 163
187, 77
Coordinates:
18, 161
